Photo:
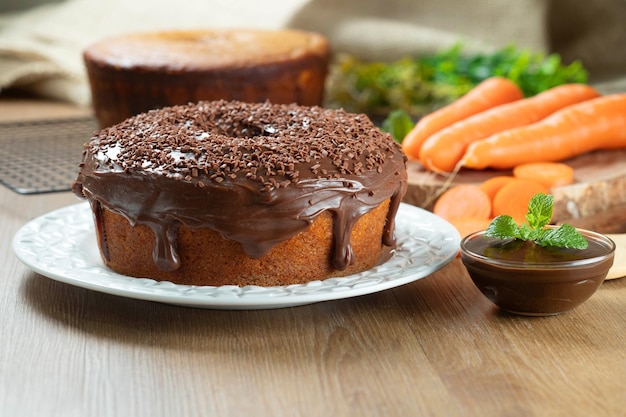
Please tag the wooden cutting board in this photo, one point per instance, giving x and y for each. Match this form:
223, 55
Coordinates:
600, 184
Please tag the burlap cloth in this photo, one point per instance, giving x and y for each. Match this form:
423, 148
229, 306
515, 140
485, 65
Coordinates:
40, 47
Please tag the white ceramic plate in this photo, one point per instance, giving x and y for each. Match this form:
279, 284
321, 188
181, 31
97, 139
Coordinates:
62, 245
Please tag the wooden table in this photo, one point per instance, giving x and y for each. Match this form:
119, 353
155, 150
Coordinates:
435, 347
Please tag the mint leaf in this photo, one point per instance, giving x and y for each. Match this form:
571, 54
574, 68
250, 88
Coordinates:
503, 227
564, 236
539, 214
540, 210
527, 233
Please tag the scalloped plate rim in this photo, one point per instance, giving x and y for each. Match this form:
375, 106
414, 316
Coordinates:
410, 219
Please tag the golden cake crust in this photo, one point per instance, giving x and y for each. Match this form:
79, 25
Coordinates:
209, 259
134, 73
202, 50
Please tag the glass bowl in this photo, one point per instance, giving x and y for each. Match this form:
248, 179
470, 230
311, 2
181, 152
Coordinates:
537, 287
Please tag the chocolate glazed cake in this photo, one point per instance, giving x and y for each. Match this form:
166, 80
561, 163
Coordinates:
227, 192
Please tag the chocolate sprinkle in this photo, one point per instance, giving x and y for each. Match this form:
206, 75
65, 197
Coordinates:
261, 142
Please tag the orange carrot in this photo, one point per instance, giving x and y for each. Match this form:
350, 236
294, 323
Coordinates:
467, 225
595, 124
550, 174
445, 149
463, 200
513, 198
492, 185
489, 93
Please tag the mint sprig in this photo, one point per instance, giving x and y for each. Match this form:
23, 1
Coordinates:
534, 229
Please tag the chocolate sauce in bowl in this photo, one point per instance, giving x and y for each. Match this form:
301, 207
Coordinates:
525, 278
528, 252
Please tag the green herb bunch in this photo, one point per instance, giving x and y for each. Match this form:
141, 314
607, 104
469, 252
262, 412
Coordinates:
418, 85
534, 229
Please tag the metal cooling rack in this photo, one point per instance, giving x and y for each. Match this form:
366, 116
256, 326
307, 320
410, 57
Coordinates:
42, 156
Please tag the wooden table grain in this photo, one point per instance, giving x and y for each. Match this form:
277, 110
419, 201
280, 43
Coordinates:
434, 347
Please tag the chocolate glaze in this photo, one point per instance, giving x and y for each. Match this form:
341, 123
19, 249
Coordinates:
256, 173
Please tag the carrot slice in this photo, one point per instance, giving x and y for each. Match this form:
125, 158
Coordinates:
550, 174
599, 123
513, 198
487, 94
445, 149
467, 225
492, 185
463, 200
